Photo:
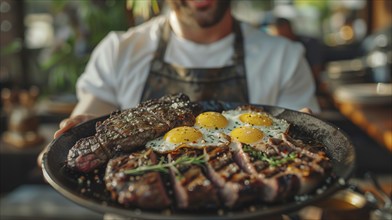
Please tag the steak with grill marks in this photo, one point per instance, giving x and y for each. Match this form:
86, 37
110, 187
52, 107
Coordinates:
193, 190
236, 187
128, 129
144, 190
229, 176
298, 167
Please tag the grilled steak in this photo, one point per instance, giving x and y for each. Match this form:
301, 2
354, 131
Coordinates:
227, 176
193, 190
143, 190
287, 167
126, 130
236, 187
88, 153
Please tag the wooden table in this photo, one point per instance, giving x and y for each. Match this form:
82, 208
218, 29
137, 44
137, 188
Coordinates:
375, 120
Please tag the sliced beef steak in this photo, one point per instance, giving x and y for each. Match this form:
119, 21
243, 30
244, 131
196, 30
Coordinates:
287, 167
143, 190
236, 187
193, 190
229, 176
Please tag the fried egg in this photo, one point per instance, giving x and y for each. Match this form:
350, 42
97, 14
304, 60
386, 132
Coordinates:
207, 131
264, 122
217, 129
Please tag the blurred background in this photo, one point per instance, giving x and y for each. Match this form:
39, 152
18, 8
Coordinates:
45, 45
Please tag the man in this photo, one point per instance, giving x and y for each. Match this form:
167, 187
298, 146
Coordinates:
199, 49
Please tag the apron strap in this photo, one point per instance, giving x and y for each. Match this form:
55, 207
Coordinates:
163, 41
225, 83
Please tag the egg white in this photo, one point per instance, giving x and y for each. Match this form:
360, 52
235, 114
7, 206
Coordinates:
220, 136
278, 127
213, 138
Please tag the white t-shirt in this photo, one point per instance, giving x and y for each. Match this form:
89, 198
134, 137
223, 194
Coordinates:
276, 71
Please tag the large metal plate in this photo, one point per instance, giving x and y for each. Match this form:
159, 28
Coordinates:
338, 147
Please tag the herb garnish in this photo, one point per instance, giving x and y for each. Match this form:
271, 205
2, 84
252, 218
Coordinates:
163, 166
273, 161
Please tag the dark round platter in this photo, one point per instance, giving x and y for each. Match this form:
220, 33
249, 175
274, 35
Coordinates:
338, 147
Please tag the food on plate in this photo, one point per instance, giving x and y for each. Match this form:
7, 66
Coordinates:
285, 166
192, 188
145, 191
236, 187
243, 119
196, 137
166, 153
129, 129
216, 129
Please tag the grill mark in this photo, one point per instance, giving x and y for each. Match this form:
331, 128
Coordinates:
145, 190
193, 189
129, 129
235, 185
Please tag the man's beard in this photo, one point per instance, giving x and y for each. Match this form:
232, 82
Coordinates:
201, 18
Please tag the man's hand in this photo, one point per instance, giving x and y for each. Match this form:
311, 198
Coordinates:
69, 123
306, 110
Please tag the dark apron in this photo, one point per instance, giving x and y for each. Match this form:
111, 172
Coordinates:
226, 84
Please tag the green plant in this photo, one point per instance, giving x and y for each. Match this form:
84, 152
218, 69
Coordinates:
90, 22
144, 8
13, 47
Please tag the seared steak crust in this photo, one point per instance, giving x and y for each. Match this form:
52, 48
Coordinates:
126, 130
145, 190
236, 187
193, 190
87, 153
298, 167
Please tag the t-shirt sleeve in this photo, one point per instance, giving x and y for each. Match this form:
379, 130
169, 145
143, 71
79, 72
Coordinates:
99, 77
298, 85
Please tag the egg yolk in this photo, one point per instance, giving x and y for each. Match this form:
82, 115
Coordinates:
247, 135
256, 119
182, 135
211, 120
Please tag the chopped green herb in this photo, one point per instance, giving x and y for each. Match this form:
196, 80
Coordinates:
273, 161
163, 166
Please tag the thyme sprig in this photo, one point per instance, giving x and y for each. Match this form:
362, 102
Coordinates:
163, 166
271, 160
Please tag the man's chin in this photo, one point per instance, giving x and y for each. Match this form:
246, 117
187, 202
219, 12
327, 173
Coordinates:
205, 21
200, 4
203, 13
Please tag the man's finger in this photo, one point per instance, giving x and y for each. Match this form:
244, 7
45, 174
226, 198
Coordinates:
306, 110
65, 125
68, 123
